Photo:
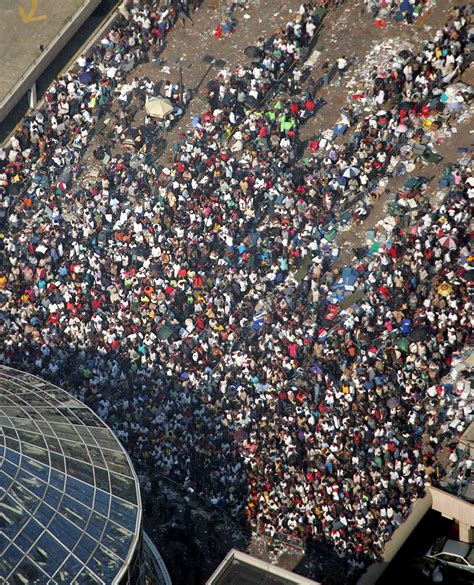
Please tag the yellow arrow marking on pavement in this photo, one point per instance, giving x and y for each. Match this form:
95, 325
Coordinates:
30, 17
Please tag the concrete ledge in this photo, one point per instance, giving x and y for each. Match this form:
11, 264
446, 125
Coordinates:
23, 62
451, 506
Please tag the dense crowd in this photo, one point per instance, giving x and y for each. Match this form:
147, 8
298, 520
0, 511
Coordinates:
400, 10
141, 295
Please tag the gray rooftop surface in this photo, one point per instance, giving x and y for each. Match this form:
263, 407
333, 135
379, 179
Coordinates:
20, 40
241, 575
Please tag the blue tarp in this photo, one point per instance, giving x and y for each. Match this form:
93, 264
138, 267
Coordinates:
348, 278
339, 130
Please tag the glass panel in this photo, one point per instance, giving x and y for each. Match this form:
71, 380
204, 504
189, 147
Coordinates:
34, 438
12, 455
32, 483
35, 468
57, 461
5, 481
85, 548
124, 488
53, 444
120, 469
96, 526
35, 453
28, 535
27, 500
10, 559
28, 573
117, 461
4, 420
75, 511
87, 417
87, 578
68, 571
10, 432
102, 479
105, 564
23, 499
97, 456
101, 433
69, 415
50, 414
117, 539
32, 398
65, 431
65, 531
44, 514
123, 513
4, 542
53, 497
109, 443
102, 502
45, 428
23, 423
75, 450
105, 440
9, 468
48, 553
14, 412
13, 444
57, 479
80, 490
80, 470
86, 436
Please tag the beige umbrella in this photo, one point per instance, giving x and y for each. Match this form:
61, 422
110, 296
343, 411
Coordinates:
444, 289
158, 107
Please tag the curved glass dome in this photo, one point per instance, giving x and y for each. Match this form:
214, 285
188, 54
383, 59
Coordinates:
70, 509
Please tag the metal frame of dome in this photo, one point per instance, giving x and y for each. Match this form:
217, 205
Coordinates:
70, 507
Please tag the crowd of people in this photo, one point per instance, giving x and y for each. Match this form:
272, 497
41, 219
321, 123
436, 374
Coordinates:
425, 75
140, 295
400, 10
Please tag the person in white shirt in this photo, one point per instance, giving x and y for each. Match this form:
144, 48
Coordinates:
341, 65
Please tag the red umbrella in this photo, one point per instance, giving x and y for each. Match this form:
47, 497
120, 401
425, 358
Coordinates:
449, 242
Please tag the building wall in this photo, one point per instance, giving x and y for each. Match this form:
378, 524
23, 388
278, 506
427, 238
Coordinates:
456, 508
420, 508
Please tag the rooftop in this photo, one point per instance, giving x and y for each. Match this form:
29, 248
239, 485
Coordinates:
241, 569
